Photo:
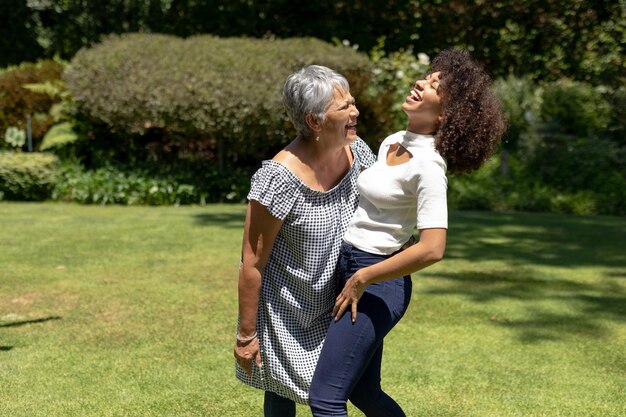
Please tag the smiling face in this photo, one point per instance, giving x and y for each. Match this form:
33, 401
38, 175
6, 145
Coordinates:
423, 105
340, 117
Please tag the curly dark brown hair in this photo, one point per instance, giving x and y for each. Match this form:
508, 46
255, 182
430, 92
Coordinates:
472, 121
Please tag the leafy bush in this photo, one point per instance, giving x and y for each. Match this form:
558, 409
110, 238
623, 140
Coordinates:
521, 100
16, 101
578, 154
570, 163
111, 185
581, 202
617, 125
477, 190
27, 176
576, 108
62, 134
58, 136
217, 94
611, 199
525, 190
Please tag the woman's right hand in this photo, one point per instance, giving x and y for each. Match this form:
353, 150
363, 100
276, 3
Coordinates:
350, 295
247, 353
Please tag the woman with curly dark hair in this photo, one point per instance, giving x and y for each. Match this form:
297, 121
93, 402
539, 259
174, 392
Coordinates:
454, 123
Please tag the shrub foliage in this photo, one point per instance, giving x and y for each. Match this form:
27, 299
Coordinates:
192, 184
16, 101
151, 110
27, 176
202, 94
566, 153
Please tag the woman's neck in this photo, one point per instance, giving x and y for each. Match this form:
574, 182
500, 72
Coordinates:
316, 153
318, 166
420, 129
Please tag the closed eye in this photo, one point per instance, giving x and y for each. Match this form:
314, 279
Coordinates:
347, 105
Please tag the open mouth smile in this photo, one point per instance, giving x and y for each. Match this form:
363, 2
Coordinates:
414, 96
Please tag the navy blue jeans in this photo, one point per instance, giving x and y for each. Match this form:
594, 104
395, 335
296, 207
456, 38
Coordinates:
350, 361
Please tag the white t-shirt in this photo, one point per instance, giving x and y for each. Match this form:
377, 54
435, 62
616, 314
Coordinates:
394, 199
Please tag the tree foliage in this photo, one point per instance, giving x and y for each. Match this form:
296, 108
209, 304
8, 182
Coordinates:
18, 37
543, 39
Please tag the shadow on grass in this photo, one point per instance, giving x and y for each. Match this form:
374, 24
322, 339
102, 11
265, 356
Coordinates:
554, 307
544, 239
5, 348
229, 220
617, 274
32, 321
587, 306
554, 327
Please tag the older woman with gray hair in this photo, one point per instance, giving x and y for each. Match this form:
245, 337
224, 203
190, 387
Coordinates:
300, 204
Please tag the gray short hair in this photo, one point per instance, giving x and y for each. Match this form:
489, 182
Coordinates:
310, 91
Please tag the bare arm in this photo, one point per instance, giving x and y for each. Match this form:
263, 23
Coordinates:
429, 250
260, 232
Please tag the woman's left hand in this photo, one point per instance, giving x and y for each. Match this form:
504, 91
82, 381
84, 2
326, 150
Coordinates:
350, 295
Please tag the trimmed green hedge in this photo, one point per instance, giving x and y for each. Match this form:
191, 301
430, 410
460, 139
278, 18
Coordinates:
27, 176
204, 92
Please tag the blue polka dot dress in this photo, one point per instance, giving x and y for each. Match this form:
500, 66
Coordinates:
298, 288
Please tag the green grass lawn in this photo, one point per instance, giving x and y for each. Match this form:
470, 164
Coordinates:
131, 311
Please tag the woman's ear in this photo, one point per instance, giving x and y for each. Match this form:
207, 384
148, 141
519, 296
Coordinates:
313, 122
